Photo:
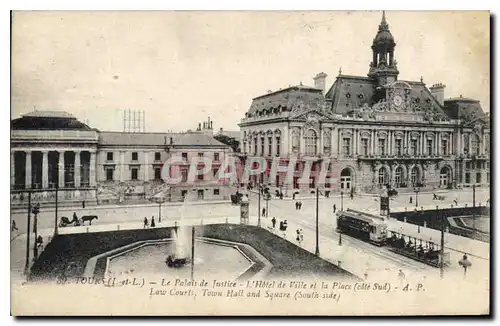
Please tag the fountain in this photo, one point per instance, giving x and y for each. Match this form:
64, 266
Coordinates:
178, 256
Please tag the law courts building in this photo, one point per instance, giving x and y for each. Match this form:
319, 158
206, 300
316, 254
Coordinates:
52, 149
375, 130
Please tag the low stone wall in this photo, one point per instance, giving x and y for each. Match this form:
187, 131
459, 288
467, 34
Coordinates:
67, 255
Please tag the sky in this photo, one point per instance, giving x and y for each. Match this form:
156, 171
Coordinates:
181, 67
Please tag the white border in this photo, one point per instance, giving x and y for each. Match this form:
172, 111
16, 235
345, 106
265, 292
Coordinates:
191, 5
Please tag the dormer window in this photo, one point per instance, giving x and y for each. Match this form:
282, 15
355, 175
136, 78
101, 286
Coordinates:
348, 95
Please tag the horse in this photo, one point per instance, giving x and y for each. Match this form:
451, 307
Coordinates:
88, 218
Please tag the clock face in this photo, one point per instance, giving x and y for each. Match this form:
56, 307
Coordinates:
398, 100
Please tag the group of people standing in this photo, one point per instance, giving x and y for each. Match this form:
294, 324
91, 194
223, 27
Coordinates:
298, 205
146, 222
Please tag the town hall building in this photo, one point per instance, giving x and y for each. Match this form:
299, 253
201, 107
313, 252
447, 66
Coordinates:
373, 131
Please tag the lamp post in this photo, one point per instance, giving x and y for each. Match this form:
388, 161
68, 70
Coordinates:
35, 212
441, 265
342, 201
416, 190
317, 221
465, 263
56, 230
258, 207
28, 233
192, 253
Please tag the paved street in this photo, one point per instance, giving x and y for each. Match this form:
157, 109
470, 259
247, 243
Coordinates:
354, 255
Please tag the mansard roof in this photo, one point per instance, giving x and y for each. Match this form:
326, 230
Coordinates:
466, 109
286, 99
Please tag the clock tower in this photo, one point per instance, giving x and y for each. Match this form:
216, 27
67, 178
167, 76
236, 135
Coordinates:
383, 67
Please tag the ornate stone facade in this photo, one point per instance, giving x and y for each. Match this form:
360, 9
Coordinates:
373, 131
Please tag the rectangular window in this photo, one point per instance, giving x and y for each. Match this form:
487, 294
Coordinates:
157, 173
200, 154
414, 146
478, 177
216, 156
262, 146
270, 146
399, 147
134, 173
185, 155
135, 156
109, 156
364, 146
157, 156
444, 146
255, 146
278, 140
109, 174
381, 146
200, 177
468, 165
184, 175
216, 192
346, 146
430, 150
467, 177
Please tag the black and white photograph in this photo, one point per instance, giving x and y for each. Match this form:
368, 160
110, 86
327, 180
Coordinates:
248, 163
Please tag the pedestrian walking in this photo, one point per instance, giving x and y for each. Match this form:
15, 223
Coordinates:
146, 223
273, 221
401, 276
14, 227
352, 195
435, 196
298, 236
456, 202
411, 199
296, 205
153, 222
83, 203
263, 212
334, 208
300, 205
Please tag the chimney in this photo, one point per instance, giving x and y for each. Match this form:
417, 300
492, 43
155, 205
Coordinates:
437, 90
199, 126
220, 130
320, 81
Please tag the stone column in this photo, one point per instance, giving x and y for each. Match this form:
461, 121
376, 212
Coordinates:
77, 166
122, 166
45, 169
12, 169
421, 143
28, 169
458, 148
146, 166
92, 168
61, 170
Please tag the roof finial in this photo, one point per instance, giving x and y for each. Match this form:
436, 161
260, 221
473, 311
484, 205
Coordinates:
301, 84
340, 71
383, 24
421, 79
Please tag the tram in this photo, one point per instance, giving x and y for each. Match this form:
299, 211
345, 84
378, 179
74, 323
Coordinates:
365, 226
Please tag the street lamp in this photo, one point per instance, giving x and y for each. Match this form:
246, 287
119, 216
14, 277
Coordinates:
441, 265
342, 201
56, 230
35, 212
258, 207
317, 221
28, 233
416, 190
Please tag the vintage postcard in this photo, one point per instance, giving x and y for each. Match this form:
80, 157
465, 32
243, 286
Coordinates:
175, 163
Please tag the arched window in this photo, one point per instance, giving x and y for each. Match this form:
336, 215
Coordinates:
327, 141
311, 142
270, 145
475, 145
399, 176
296, 141
383, 177
415, 176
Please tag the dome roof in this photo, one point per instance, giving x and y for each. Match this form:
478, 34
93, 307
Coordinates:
384, 36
